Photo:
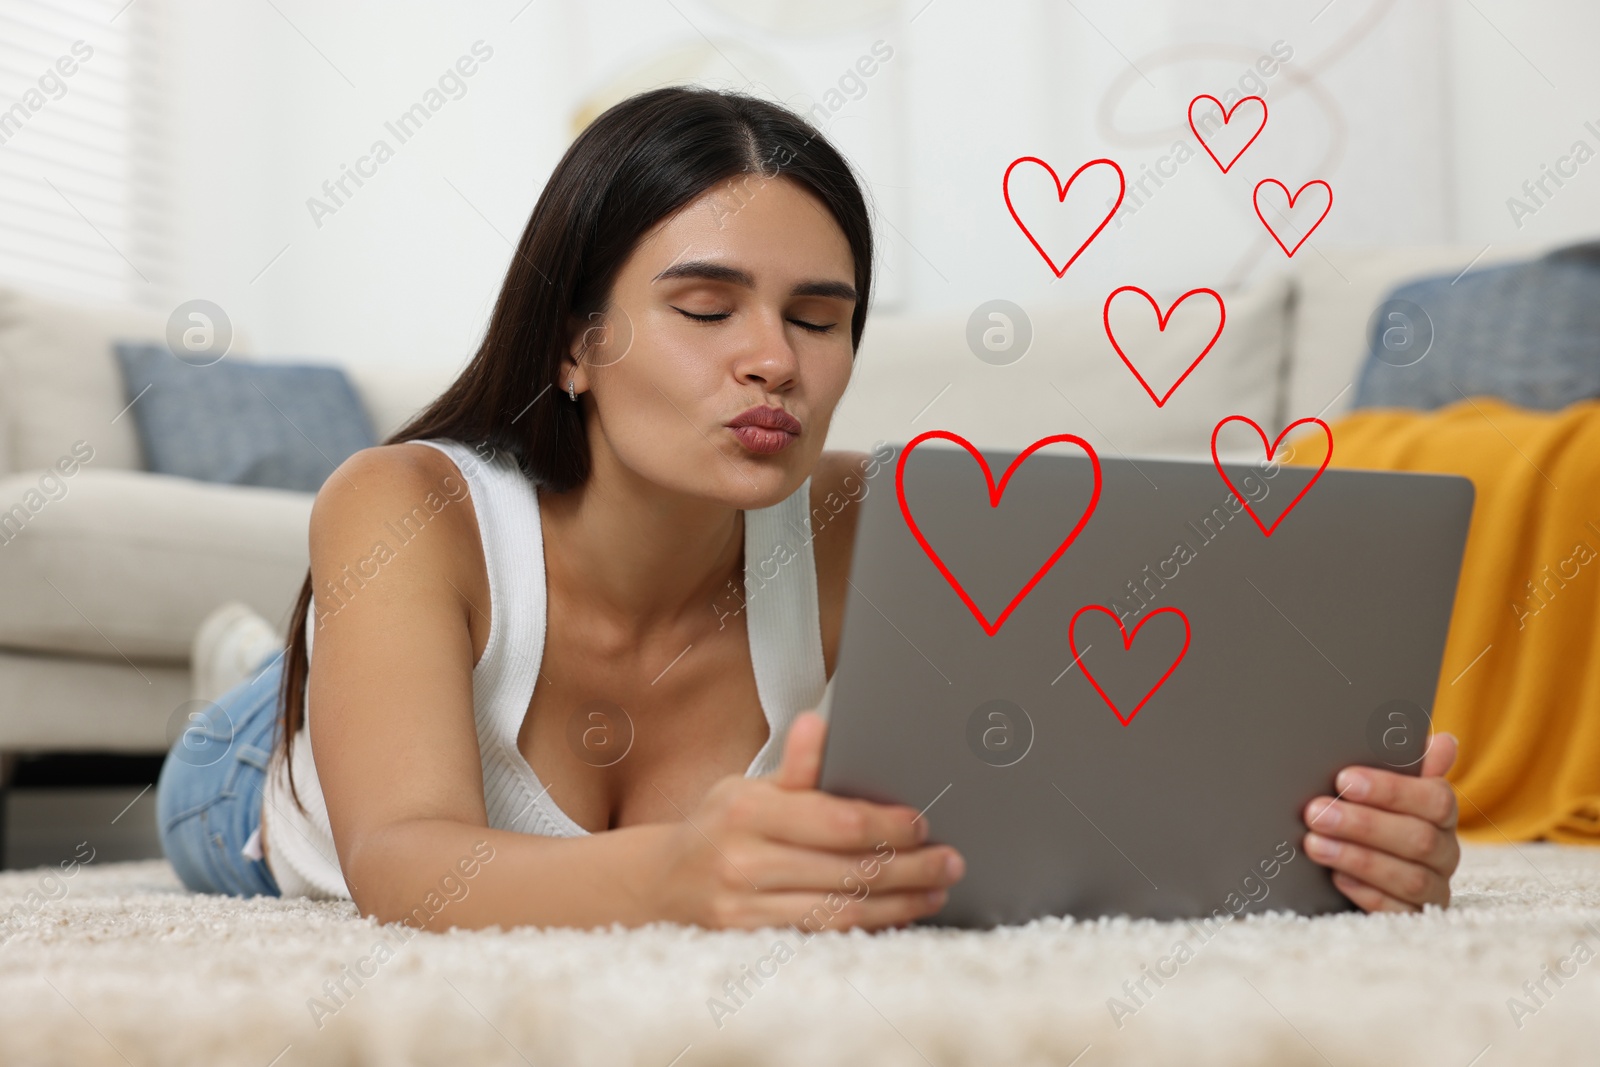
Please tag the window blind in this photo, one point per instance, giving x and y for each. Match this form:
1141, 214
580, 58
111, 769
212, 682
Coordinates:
79, 174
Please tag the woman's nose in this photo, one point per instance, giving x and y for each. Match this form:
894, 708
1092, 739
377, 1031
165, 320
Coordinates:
769, 358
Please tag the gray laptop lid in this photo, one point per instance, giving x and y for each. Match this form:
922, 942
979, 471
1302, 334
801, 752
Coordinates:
1309, 650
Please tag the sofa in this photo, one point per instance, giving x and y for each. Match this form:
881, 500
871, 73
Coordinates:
107, 571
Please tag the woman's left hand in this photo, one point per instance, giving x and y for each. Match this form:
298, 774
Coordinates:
1390, 838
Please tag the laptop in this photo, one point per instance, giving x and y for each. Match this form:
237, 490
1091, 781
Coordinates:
1162, 774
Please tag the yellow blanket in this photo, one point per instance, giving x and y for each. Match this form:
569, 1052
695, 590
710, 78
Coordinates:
1520, 685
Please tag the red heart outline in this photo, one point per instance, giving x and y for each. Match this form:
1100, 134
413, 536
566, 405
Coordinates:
1227, 117
1127, 643
995, 492
1267, 530
1161, 323
1061, 197
1255, 199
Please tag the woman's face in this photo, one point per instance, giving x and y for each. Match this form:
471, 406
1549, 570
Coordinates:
734, 310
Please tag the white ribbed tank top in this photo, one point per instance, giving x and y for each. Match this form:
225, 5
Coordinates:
782, 619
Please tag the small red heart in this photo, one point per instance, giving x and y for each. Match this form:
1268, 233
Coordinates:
1061, 195
995, 492
1127, 643
1267, 530
1227, 117
1162, 318
1291, 197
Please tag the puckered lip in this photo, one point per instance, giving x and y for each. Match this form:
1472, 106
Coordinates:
767, 419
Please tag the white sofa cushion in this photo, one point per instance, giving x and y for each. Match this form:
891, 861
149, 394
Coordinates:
127, 563
60, 383
1070, 381
57, 703
5, 434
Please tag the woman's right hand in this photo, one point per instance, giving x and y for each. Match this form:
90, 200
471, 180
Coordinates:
777, 851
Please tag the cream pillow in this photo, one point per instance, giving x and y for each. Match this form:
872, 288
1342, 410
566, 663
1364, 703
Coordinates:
915, 374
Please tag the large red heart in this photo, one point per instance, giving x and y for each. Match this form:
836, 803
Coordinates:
1162, 318
1127, 643
1291, 197
995, 492
1061, 196
1227, 117
1267, 530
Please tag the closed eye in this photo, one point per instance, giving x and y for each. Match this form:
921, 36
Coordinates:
810, 327
813, 327
716, 317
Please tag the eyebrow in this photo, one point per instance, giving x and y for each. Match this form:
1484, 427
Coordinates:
721, 272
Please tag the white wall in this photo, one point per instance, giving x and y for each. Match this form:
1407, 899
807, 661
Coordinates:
404, 270
1524, 83
1421, 114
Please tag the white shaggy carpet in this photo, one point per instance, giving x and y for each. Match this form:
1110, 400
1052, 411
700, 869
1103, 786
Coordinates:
119, 965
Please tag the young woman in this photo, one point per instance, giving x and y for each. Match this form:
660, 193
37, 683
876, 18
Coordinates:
533, 704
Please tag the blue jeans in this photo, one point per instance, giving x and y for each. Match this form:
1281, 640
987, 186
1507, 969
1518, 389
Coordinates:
208, 798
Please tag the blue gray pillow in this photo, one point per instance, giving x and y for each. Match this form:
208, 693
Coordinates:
280, 425
1528, 333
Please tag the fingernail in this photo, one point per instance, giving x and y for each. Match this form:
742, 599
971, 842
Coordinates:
954, 867
1322, 847
1328, 815
922, 829
1353, 784
935, 897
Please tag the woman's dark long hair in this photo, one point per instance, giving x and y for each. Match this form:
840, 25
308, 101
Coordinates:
637, 163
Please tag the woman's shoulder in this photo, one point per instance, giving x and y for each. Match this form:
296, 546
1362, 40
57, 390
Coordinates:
409, 467
385, 488
403, 511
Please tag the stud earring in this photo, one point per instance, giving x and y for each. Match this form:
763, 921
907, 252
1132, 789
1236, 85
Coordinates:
572, 392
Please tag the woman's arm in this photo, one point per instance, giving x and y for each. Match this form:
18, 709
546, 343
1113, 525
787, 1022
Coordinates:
755, 853
397, 756
1390, 838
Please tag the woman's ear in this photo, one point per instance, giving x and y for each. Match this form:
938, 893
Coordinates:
599, 339
585, 338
